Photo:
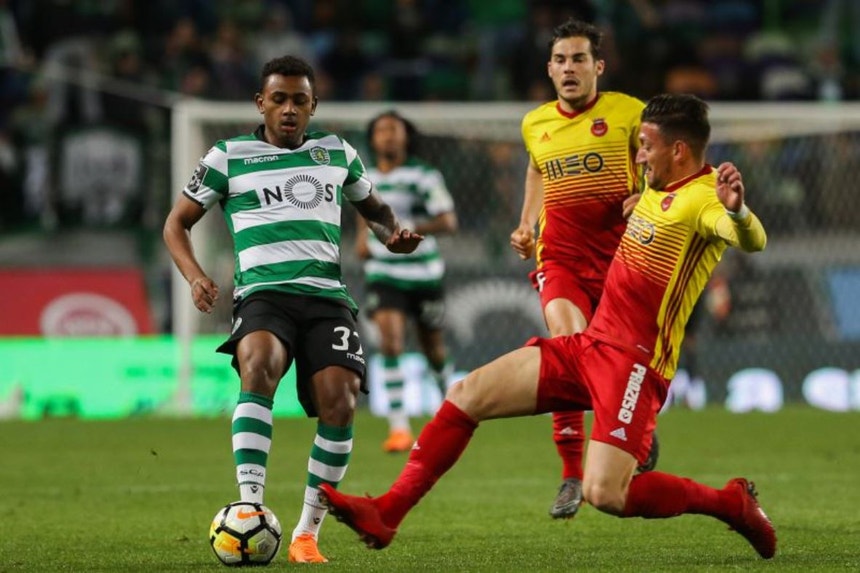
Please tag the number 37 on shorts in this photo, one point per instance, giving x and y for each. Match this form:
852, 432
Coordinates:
346, 340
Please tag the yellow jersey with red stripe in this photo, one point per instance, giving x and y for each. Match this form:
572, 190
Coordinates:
588, 168
673, 241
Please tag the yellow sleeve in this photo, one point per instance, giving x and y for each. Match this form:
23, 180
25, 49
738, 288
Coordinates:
747, 234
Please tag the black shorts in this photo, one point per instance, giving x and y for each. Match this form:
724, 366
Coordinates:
426, 306
317, 332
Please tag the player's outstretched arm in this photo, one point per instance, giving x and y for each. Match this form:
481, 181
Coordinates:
384, 224
730, 187
745, 229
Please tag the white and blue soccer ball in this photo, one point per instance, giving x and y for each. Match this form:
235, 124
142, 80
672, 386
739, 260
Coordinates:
244, 533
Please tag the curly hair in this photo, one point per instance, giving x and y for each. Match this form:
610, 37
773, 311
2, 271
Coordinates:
412, 134
288, 66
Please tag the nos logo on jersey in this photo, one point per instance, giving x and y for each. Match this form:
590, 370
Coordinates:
320, 155
303, 191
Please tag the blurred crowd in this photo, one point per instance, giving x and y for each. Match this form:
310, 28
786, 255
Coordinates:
119, 64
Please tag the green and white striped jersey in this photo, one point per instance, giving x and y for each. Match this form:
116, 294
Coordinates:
415, 191
283, 209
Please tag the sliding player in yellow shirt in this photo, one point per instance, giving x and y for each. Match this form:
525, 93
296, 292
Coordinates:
623, 362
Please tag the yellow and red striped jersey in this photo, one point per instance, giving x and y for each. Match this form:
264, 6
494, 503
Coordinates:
587, 163
673, 241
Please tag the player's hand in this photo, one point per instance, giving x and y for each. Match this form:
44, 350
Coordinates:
403, 241
730, 187
204, 292
630, 204
523, 241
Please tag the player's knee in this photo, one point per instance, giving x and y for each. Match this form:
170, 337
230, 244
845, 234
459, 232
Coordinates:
461, 394
260, 376
604, 497
467, 396
337, 410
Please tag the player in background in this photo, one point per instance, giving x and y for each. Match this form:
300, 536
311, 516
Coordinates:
581, 183
622, 363
280, 189
400, 287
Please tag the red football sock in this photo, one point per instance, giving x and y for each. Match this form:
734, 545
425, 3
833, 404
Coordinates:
437, 448
656, 494
568, 432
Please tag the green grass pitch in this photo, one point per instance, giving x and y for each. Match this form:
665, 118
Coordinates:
138, 495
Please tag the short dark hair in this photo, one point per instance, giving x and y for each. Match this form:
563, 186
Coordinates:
573, 28
412, 134
288, 66
680, 117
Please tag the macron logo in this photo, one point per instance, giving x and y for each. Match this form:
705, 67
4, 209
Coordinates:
262, 159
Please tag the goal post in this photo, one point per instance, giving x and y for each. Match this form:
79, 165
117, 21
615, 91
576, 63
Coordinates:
800, 162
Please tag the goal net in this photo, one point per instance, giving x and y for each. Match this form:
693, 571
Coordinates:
790, 309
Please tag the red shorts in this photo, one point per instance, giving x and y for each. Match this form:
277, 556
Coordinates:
556, 280
582, 373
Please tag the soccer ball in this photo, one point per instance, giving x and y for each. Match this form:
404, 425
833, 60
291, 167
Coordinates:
244, 533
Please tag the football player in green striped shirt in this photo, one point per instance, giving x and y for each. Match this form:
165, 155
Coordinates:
281, 189
400, 287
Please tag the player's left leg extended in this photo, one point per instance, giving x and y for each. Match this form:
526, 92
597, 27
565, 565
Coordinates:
506, 387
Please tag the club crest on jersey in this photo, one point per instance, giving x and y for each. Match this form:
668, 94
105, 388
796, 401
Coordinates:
599, 127
667, 201
320, 155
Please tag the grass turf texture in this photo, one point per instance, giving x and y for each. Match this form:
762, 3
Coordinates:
138, 495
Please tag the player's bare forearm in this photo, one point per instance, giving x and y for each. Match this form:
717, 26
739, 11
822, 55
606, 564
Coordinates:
532, 197
379, 217
384, 224
177, 238
522, 238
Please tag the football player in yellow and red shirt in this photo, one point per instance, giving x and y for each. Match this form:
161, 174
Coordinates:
582, 149
621, 365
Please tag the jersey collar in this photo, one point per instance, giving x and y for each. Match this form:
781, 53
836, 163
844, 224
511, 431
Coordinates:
680, 183
573, 114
